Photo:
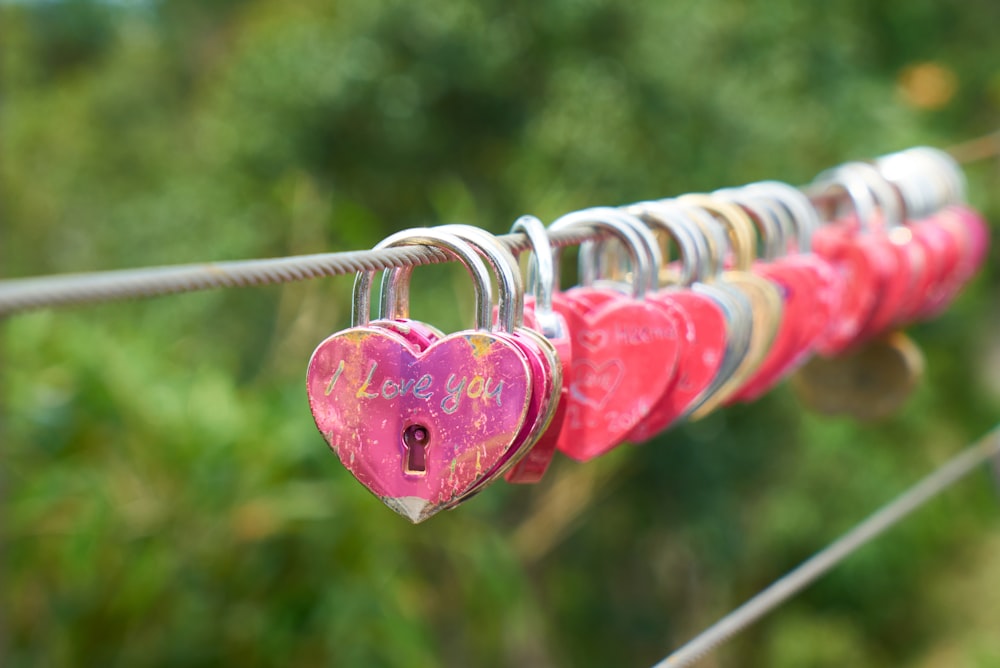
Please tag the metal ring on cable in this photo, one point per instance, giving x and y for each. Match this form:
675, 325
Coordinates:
705, 227
734, 220
541, 275
504, 265
868, 191
949, 168
669, 217
914, 179
887, 198
928, 179
590, 260
804, 215
463, 252
609, 219
768, 225
858, 193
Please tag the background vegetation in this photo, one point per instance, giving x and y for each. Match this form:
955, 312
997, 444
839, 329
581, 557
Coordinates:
166, 499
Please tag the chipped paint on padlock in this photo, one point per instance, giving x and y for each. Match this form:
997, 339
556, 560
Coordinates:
469, 391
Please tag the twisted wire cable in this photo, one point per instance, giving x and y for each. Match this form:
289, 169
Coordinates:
24, 294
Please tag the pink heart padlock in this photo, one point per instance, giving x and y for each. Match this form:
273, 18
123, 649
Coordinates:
541, 354
420, 429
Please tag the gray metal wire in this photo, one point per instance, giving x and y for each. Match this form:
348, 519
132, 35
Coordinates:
25, 294
808, 571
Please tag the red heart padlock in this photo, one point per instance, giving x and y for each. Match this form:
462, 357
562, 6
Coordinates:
624, 351
704, 327
801, 220
875, 287
798, 287
902, 265
795, 285
916, 257
535, 462
944, 253
395, 302
894, 279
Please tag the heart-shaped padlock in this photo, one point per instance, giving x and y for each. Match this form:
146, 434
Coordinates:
928, 180
540, 317
795, 285
624, 349
715, 309
420, 428
904, 277
825, 288
738, 231
539, 352
706, 324
969, 235
702, 347
542, 355
710, 243
943, 251
866, 261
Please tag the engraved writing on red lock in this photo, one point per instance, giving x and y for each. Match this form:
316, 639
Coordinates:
624, 357
463, 400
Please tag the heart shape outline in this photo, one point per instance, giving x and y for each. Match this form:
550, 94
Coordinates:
636, 331
366, 385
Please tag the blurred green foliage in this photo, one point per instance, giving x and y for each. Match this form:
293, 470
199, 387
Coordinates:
166, 499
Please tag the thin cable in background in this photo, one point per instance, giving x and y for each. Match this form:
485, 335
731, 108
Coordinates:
25, 294
810, 570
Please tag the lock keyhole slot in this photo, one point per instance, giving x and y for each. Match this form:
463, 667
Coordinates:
416, 439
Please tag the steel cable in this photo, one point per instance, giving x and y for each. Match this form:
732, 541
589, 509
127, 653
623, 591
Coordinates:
808, 571
25, 294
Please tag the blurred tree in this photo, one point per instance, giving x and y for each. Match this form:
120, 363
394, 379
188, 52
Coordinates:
168, 501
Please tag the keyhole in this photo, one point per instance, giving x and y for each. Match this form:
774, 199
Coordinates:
415, 440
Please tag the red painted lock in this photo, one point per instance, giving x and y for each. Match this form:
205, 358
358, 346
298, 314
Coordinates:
701, 320
624, 351
796, 287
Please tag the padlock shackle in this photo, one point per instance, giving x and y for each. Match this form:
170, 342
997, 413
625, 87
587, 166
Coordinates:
769, 226
449, 243
691, 247
867, 190
737, 225
914, 169
510, 300
637, 247
804, 217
